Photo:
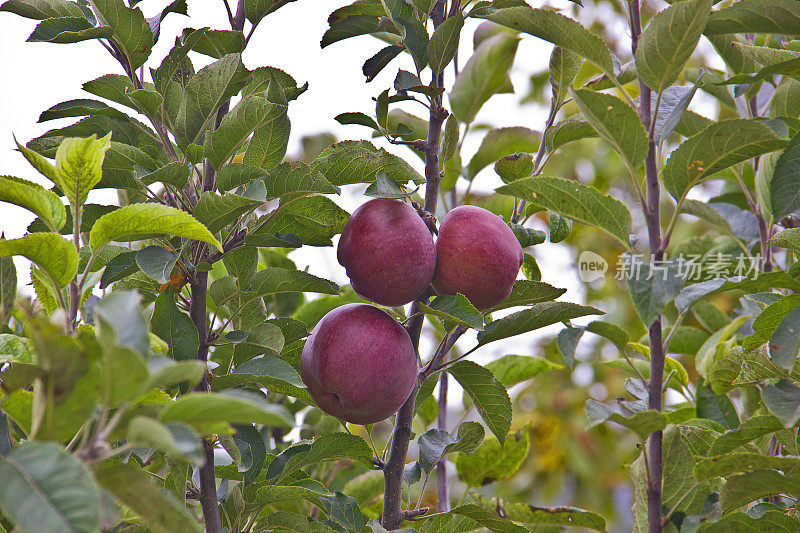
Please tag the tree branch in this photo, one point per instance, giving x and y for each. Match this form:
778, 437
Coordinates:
652, 216
393, 514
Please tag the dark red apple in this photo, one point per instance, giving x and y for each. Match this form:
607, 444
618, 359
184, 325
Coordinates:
477, 255
359, 364
388, 252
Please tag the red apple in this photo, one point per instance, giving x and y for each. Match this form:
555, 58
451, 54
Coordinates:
477, 255
388, 252
359, 364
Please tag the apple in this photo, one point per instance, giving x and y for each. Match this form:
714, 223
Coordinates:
388, 252
477, 255
359, 364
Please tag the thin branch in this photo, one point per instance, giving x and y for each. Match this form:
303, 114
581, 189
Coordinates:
393, 514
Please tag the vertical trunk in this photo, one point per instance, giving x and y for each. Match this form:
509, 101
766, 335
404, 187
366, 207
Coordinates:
208, 485
653, 218
441, 468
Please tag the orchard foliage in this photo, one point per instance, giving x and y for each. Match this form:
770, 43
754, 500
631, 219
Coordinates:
135, 365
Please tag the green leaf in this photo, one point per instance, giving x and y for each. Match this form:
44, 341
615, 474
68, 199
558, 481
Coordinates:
718, 408
748, 431
652, 286
284, 520
218, 43
78, 108
275, 280
352, 26
233, 175
617, 123
175, 327
284, 180
784, 345
276, 375
175, 63
528, 236
46, 489
250, 114
567, 342
575, 200
132, 487
325, 448
349, 162
783, 400
672, 107
175, 439
175, 174
487, 393
560, 227
731, 463
268, 145
357, 119
493, 461
42, 9
436, 443
467, 518
513, 167
500, 143
706, 354
784, 190
643, 423
8, 293
564, 67
312, 220
205, 93
716, 148
34, 198
261, 79
668, 41
555, 28
537, 316
769, 319
789, 239
513, 369
120, 312
216, 211
614, 333
769, 521
166, 372
750, 486
756, 16
344, 511
124, 372
567, 131
132, 33
542, 516
386, 188
454, 308
78, 166
484, 74
415, 36
52, 253
255, 10
157, 262
444, 43
140, 221
375, 64
66, 30
449, 140
203, 410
